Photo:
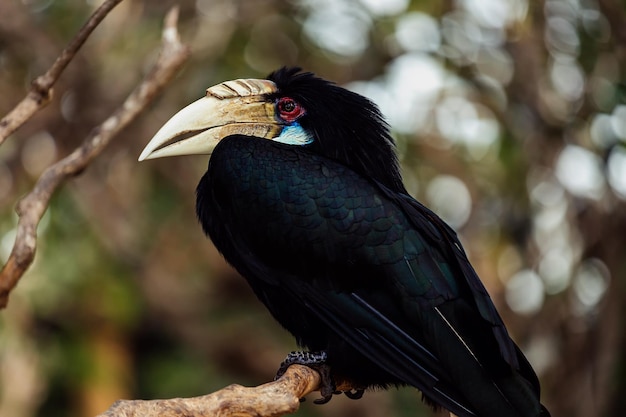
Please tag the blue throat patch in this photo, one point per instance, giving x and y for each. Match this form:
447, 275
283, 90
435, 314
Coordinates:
294, 134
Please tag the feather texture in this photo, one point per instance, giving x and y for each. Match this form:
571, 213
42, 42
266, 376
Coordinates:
353, 266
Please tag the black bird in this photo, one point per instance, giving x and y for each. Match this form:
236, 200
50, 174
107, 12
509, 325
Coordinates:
304, 197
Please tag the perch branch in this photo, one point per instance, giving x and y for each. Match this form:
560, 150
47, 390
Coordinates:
32, 207
41, 88
272, 399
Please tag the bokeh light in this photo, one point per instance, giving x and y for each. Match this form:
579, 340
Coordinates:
418, 32
339, 27
38, 153
525, 292
386, 7
449, 197
591, 281
617, 170
580, 171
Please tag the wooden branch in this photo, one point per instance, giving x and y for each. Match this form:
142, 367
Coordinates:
32, 207
272, 399
41, 88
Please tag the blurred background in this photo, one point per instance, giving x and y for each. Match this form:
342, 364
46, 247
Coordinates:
510, 119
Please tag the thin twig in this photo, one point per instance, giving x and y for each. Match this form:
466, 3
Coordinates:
41, 88
32, 207
268, 400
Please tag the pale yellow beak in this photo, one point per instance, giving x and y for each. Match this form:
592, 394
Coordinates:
232, 107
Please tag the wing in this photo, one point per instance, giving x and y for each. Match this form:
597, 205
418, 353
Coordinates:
378, 269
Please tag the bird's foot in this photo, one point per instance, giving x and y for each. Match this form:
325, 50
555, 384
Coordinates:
316, 361
310, 359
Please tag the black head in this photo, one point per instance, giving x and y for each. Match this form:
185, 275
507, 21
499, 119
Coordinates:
345, 126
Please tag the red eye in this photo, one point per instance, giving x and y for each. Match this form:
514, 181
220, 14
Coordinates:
289, 110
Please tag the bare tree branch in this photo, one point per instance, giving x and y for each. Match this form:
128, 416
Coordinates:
272, 399
41, 88
32, 207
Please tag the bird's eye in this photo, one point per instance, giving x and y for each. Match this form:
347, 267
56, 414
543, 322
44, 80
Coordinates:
289, 110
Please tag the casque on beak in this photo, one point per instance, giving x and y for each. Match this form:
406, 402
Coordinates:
232, 107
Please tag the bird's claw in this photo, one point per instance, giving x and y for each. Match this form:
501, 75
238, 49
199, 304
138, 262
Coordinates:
327, 384
316, 361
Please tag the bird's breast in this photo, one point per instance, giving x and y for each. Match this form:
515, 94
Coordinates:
285, 201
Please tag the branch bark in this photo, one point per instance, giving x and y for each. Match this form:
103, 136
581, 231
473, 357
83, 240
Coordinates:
32, 207
41, 88
273, 399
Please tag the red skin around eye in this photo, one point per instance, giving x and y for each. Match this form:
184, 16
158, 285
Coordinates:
289, 110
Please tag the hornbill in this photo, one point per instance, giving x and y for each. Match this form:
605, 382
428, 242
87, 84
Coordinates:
303, 197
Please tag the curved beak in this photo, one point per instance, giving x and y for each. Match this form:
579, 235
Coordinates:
233, 107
